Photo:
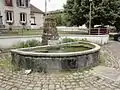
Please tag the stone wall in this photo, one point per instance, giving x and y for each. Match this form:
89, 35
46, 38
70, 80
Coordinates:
55, 63
49, 62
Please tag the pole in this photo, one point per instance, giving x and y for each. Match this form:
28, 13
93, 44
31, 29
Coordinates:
90, 18
45, 7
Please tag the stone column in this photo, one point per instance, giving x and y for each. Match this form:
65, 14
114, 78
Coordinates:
50, 30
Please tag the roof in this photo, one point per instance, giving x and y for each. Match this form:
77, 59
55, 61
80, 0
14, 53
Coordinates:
35, 10
56, 11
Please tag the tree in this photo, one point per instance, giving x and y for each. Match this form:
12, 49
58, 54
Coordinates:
61, 19
104, 12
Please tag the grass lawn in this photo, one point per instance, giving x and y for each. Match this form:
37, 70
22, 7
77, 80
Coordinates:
30, 32
38, 32
23, 32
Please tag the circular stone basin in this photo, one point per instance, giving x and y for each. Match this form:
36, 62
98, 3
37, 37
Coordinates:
75, 55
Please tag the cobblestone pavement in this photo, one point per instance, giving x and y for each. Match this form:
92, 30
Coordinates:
76, 80
111, 52
58, 81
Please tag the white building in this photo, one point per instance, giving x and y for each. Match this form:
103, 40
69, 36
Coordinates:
37, 17
17, 13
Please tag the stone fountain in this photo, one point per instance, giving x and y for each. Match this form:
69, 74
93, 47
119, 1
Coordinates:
50, 30
46, 59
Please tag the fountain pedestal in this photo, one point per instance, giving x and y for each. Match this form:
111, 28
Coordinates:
50, 31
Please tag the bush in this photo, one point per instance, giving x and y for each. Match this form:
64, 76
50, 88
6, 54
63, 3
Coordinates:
65, 40
28, 43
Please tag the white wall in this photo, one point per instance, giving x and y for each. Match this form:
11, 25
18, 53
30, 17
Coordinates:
98, 39
8, 41
2, 9
64, 28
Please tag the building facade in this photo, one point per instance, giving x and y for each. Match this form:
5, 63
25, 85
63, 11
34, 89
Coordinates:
37, 17
15, 13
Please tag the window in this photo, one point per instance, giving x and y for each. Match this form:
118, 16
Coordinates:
1, 19
8, 2
22, 3
23, 17
9, 16
27, 3
33, 21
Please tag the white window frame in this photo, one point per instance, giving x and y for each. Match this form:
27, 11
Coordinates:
33, 22
10, 18
23, 19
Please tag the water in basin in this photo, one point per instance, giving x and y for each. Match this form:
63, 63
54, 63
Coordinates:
63, 48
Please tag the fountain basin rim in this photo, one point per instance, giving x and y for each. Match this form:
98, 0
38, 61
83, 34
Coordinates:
32, 53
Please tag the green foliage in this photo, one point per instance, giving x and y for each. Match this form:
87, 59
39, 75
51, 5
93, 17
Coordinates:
66, 40
104, 12
61, 19
28, 43
5, 63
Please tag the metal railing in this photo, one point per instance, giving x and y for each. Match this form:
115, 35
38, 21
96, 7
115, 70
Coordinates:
99, 31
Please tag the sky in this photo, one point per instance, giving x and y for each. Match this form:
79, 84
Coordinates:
52, 5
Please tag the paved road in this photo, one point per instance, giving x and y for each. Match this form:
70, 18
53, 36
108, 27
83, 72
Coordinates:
114, 46
111, 53
112, 50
